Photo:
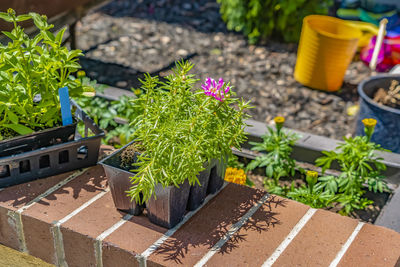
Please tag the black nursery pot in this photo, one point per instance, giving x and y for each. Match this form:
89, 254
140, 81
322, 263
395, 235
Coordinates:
216, 176
199, 192
120, 182
169, 206
387, 130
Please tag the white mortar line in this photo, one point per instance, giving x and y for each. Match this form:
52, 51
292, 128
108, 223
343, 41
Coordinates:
234, 228
16, 215
99, 240
51, 190
82, 207
346, 245
57, 235
143, 257
289, 238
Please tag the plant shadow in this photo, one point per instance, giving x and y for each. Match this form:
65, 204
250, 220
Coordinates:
91, 180
211, 224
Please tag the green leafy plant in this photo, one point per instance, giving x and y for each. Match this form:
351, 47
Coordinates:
277, 161
105, 113
181, 128
260, 19
312, 194
31, 72
359, 165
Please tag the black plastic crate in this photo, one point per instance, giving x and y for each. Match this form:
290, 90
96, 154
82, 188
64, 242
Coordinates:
49, 152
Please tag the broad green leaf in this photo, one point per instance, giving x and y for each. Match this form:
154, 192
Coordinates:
20, 129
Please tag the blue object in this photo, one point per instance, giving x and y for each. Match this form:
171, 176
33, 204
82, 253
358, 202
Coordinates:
387, 130
66, 114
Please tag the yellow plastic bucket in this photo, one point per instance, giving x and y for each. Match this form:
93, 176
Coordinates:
327, 46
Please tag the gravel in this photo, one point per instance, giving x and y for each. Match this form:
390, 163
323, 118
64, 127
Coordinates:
125, 39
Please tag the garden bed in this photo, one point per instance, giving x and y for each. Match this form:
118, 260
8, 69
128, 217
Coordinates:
368, 215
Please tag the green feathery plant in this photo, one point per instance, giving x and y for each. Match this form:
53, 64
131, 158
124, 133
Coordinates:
359, 165
180, 129
277, 161
31, 72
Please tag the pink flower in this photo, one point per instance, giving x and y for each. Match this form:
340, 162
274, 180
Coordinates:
218, 90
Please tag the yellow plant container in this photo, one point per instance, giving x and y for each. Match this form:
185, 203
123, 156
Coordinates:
327, 46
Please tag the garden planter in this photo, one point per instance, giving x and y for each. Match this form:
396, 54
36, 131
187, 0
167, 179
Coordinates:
120, 182
216, 176
49, 152
168, 207
388, 126
326, 48
199, 192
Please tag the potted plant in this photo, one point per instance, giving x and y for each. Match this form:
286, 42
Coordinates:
380, 100
179, 135
31, 72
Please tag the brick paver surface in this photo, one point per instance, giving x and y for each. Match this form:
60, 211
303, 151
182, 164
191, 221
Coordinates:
235, 228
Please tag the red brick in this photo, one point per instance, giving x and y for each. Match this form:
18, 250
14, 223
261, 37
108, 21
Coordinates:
207, 227
132, 238
318, 243
261, 235
15, 197
115, 256
80, 232
373, 246
39, 218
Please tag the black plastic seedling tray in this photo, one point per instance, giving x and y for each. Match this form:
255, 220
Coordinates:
49, 152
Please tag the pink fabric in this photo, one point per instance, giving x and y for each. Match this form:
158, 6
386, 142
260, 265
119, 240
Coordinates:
389, 55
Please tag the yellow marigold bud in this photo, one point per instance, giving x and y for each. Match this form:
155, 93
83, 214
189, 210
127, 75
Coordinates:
81, 74
369, 123
279, 120
312, 174
137, 91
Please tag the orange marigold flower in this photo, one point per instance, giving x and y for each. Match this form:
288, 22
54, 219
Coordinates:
234, 175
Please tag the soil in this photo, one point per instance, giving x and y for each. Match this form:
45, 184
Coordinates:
129, 156
389, 96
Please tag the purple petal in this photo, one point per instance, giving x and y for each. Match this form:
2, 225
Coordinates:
227, 89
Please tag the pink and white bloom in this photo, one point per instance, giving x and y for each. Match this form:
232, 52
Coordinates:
218, 90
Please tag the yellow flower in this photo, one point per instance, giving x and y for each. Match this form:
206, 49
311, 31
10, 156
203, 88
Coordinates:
81, 74
234, 175
312, 174
137, 92
279, 120
369, 123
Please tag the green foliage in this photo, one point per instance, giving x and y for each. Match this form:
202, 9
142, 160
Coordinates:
31, 72
260, 19
316, 197
180, 129
104, 113
277, 161
359, 165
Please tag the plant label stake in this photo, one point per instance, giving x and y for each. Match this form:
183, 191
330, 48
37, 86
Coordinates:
65, 106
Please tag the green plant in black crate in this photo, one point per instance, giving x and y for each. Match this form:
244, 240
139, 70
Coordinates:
181, 128
31, 72
260, 19
277, 144
359, 165
312, 194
